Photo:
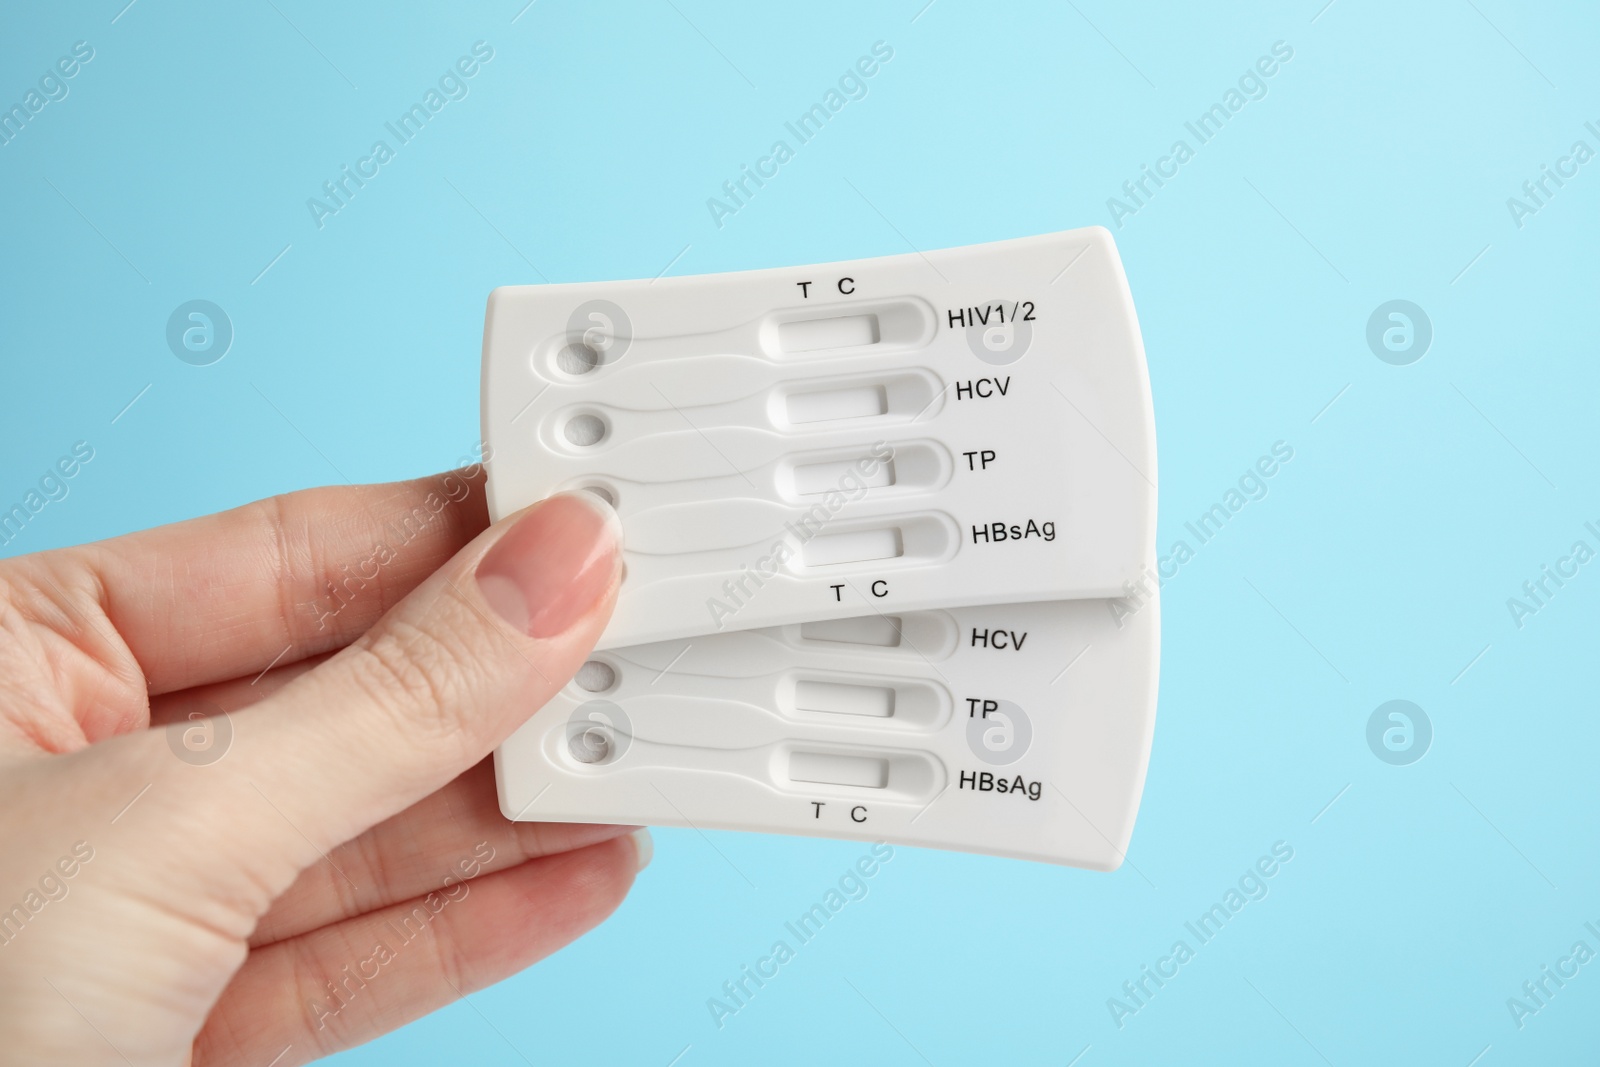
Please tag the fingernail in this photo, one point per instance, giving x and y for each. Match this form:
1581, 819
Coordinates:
553, 565
644, 847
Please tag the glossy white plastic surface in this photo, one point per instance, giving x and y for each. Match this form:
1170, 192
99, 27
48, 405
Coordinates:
876, 513
951, 737
963, 426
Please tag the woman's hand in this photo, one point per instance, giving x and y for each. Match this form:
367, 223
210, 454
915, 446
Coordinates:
245, 813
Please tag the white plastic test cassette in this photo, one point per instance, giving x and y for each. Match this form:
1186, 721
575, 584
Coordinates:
966, 426
1017, 729
875, 516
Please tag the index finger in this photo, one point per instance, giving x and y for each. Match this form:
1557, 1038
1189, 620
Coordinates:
269, 583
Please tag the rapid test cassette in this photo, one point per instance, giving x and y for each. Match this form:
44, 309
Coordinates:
965, 426
1016, 729
886, 529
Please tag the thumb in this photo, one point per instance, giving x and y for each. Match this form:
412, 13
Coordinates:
440, 680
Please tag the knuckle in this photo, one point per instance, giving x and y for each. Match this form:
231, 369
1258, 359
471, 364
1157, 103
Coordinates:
450, 953
292, 554
369, 858
426, 674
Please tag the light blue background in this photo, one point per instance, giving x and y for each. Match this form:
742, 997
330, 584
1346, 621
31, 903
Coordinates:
1377, 167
